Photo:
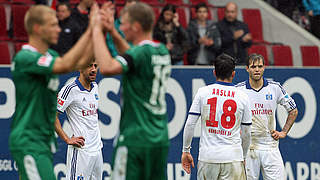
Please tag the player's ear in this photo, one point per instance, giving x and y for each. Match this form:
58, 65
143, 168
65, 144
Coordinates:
136, 26
247, 68
36, 28
233, 74
214, 73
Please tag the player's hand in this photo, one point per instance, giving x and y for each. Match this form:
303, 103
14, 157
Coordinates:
247, 37
186, 161
107, 16
94, 16
278, 135
76, 141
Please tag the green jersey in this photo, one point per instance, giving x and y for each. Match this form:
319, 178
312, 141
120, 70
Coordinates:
36, 86
146, 69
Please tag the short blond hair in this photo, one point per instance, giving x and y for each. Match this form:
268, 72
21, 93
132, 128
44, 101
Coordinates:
35, 15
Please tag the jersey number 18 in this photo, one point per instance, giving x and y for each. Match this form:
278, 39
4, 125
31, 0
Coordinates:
229, 109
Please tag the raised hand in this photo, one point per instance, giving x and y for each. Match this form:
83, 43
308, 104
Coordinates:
107, 16
94, 16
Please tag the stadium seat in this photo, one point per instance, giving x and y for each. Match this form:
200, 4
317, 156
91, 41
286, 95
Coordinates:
260, 49
193, 13
18, 46
151, 2
3, 24
120, 2
22, 1
175, 2
182, 17
282, 55
73, 2
220, 13
5, 1
252, 17
156, 13
18, 12
5, 53
310, 55
195, 2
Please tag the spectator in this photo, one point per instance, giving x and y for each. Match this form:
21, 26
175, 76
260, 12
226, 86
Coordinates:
313, 9
169, 32
70, 29
81, 13
234, 34
204, 37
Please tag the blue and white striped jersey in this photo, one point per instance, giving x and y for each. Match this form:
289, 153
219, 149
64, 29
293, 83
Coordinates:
81, 107
264, 103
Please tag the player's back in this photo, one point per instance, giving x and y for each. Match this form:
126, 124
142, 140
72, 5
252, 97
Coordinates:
223, 109
144, 115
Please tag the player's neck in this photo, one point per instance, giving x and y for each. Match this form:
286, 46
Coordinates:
84, 83
40, 45
228, 80
256, 85
142, 37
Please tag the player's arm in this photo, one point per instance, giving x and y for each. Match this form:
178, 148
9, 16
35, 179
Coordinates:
121, 44
246, 123
77, 57
107, 64
194, 114
76, 141
292, 115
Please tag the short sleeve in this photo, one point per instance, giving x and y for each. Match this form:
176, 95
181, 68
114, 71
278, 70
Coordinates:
195, 108
285, 99
65, 97
36, 63
247, 115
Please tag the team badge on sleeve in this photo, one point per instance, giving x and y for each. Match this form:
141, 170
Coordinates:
44, 61
96, 96
60, 102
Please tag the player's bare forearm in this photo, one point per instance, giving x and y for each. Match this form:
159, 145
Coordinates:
286, 128
107, 64
86, 57
245, 138
68, 62
59, 130
121, 44
290, 120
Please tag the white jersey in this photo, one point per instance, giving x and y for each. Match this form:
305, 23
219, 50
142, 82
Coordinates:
263, 107
223, 108
81, 107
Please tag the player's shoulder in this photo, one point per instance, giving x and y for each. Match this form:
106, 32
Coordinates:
273, 83
67, 89
241, 84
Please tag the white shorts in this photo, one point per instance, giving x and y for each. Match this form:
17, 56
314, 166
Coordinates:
223, 171
84, 165
269, 161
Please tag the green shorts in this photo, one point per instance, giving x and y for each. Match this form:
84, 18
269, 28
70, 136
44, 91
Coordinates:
140, 163
34, 165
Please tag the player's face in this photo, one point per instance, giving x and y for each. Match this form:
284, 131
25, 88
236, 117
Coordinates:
126, 28
50, 30
256, 70
90, 73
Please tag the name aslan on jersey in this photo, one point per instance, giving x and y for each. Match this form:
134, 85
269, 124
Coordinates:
222, 92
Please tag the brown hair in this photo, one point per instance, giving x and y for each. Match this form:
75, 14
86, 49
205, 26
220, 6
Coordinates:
35, 15
141, 13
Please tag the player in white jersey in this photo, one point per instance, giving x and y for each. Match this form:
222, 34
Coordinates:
264, 96
224, 111
80, 101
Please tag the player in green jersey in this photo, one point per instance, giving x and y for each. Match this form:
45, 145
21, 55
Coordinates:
142, 145
34, 69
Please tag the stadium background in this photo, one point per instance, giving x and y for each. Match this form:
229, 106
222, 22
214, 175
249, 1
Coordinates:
275, 36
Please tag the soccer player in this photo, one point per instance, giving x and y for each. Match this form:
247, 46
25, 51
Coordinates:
142, 145
80, 101
34, 69
264, 96
224, 111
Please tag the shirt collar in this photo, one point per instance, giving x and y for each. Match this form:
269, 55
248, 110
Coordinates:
81, 87
265, 83
224, 83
